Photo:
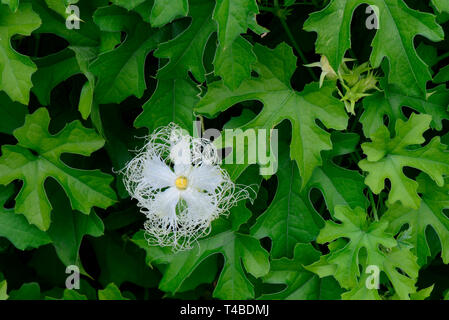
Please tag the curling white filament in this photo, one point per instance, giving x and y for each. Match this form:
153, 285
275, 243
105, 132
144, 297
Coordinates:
180, 187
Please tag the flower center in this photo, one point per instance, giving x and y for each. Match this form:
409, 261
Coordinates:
181, 183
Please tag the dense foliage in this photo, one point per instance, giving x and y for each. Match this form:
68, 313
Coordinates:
358, 94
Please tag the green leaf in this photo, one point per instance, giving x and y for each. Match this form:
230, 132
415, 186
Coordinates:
54, 21
16, 69
442, 76
47, 266
157, 12
185, 52
441, 5
361, 234
390, 103
361, 292
281, 102
13, 4
428, 53
403, 284
165, 11
28, 291
120, 71
423, 293
154, 254
255, 26
290, 218
3, 288
158, 257
16, 228
446, 295
120, 141
379, 249
300, 283
69, 227
111, 292
67, 294
386, 158
122, 262
233, 64
172, 101
11, 113
86, 42
338, 185
232, 284
73, 295
398, 26
52, 70
232, 19
129, 4
430, 214
84, 56
36, 157
237, 249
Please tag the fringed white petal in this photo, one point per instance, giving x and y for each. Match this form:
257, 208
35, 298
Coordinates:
201, 207
158, 174
164, 204
206, 177
181, 156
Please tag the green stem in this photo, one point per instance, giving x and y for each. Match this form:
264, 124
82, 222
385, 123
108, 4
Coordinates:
443, 56
381, 199
357, 118
373, 205
292, 39
36, 47
202, 125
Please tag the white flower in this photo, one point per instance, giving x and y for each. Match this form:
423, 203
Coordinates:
180, 187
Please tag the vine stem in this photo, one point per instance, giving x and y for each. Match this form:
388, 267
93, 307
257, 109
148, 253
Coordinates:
373, 205
36, 48
444, 56
292, 39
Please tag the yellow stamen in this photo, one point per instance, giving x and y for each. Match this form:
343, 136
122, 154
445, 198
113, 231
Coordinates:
181, 183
